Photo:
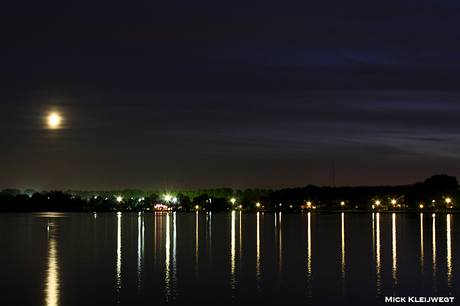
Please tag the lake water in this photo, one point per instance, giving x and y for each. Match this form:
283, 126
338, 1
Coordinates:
227, 258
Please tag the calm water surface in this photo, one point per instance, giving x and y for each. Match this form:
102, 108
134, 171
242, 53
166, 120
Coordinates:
233, 258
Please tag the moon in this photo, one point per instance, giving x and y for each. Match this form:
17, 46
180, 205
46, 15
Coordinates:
54, 120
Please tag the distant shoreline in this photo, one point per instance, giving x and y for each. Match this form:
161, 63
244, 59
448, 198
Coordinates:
316, 211
386, 211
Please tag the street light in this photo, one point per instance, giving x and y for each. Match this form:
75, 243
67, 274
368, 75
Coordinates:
394, 203
448, 200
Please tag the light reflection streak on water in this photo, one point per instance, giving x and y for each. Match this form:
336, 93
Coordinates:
118, 254
276, 227
449, 252
434, 252
258, 251
209, 235
422, 252
174, 255
373, 235
171, 257
343, 253
168, 259
278, 240
378, 265
309, 271
155, 240
140, 250
196, 244
395, 275
233, 252
280, 246
241, 242
52, 280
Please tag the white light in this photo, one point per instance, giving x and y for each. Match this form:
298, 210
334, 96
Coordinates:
54, 120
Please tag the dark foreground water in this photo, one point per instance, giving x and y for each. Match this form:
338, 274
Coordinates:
217, 259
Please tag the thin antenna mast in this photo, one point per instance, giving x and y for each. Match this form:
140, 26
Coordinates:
333, 174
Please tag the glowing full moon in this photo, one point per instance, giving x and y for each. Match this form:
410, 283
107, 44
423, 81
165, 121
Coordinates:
54, 120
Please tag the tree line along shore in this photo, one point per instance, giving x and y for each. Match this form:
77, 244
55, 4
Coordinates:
437, 193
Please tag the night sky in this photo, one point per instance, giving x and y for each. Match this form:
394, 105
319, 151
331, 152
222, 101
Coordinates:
184, 95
